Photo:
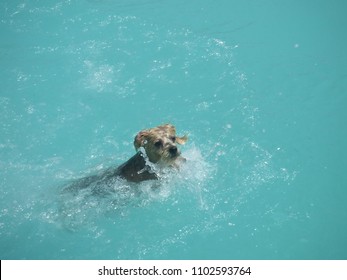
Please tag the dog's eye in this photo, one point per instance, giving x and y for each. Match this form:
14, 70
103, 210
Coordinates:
158, 143
173, 139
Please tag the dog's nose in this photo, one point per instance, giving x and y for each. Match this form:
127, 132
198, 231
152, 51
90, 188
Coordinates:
173, 151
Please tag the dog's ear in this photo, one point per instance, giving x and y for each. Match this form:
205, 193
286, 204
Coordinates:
140, 139
182, 140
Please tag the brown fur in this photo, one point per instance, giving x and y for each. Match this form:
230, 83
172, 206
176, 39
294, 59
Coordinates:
160, 146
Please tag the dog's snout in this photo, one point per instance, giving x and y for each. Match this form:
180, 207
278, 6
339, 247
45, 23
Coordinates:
173, 150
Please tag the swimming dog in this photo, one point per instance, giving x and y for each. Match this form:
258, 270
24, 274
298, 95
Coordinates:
156, 149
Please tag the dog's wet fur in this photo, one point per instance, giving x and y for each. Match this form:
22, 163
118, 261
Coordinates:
156, 147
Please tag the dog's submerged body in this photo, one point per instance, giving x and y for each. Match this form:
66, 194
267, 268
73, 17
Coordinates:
155, 147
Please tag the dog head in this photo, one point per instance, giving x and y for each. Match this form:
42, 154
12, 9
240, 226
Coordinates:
160, 144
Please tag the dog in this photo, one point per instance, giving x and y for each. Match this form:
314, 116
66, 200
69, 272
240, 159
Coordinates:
156, 148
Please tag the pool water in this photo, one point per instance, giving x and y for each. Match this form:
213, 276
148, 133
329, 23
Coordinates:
259, 87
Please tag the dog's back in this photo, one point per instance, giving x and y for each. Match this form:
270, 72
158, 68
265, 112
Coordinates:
134, 170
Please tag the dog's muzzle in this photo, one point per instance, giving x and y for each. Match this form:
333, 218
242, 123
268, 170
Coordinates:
173, 151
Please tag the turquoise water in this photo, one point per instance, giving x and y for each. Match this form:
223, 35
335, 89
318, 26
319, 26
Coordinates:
259, 87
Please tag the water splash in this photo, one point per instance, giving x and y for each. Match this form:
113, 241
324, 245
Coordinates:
83, 208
